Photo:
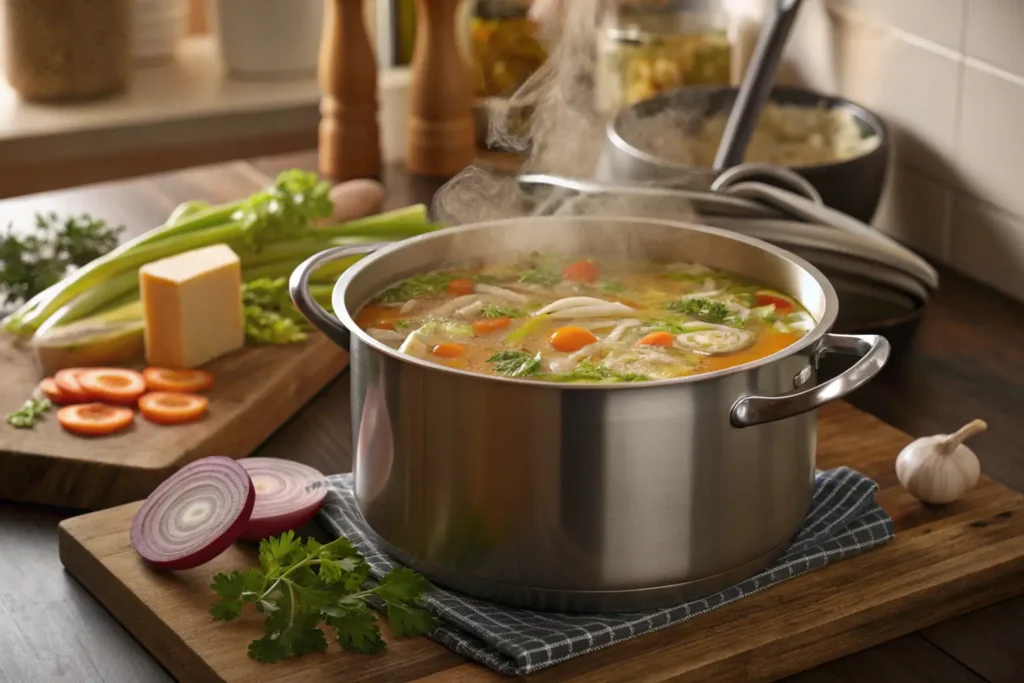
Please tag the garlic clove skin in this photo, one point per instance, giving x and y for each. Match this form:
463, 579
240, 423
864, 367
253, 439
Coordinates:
940, 469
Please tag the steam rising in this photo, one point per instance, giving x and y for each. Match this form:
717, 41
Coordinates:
565, 136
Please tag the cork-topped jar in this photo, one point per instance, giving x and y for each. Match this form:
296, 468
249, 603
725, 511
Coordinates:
67, 49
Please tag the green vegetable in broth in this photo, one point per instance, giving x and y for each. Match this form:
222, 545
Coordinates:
571, 319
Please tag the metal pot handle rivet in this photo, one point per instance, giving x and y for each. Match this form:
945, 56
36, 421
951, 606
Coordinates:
298, 288
873, 351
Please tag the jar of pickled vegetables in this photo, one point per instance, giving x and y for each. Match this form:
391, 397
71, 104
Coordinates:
646, 47
504, 47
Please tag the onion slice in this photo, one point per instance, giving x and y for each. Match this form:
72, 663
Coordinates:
284, 498
194, 515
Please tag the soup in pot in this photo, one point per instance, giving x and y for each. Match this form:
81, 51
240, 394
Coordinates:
557, 320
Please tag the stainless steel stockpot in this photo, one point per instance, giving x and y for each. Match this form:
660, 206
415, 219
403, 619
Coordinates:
585, 497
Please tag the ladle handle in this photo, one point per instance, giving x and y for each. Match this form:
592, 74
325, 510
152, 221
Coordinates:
757, 85
298, 288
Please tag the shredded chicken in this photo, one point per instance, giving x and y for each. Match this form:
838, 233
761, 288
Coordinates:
449, 307
386, 336
470, 310
407, 307
501, 293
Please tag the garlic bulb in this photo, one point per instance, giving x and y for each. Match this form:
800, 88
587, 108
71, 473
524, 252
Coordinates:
940, 469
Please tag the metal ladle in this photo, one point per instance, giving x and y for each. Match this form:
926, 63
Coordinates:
757, 85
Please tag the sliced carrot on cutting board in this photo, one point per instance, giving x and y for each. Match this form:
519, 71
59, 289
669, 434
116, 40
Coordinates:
182, 381
112, 385
53, 392
67, 381
94, 419
168, 407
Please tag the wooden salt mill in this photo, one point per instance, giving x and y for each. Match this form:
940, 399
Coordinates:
442, 137
349, 135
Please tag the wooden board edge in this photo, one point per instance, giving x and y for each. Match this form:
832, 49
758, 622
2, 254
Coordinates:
167, 647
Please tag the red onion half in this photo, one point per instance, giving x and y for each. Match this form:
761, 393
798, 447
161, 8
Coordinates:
194, 515
285, 498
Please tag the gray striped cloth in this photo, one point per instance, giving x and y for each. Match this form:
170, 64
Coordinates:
843, 521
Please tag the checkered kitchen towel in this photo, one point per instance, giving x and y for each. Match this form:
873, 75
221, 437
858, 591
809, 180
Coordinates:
843, 521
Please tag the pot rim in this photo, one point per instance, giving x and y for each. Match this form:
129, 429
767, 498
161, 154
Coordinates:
812, 337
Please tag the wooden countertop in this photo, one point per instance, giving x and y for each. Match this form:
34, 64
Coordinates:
968, 361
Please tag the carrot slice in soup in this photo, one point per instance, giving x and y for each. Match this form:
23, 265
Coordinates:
582, 271
460, 287
94, 419
660, 338
67, 380
448, 350
168, 407
569, 339
782, 304
488, 325
53, 392
113, 385
182, 381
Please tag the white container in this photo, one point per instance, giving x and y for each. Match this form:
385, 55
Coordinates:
158, 26
269, 39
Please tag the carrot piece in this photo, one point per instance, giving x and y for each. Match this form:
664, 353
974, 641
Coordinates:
170, 407
460, 287
488, 325
182, 381
448, 350
582, 271
385, 324
569, 339
94, 419
53, 392
782, 304
659, 338
67, 380
113, 385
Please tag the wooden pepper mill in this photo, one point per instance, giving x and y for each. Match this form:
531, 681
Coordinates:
349, 134
442, 138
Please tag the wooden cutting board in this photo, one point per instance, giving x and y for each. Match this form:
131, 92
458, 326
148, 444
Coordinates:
255, 391
944, 561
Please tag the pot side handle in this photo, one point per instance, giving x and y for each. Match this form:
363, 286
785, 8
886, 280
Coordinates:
298, 288
873, 351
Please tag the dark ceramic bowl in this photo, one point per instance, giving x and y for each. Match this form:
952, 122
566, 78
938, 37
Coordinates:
853, 186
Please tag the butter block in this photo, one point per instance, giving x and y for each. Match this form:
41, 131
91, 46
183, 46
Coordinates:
192, 307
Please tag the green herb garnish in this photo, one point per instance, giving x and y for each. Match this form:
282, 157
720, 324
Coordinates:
514, 363
708, 310
38, 259
417, 286
540, 276
298, 586
26, 416
490, 311
270, 315
588, 370
611, 287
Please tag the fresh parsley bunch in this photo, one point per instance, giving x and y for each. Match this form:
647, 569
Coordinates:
299, 586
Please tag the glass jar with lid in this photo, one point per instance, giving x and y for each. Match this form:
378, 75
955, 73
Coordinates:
645, 47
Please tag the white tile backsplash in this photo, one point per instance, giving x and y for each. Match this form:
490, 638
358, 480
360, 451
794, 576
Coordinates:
940, 21
916, 211
991, 144
915, 89
948, 77
988, 244
995, 33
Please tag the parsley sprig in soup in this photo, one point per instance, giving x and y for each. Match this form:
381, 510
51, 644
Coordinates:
557, 320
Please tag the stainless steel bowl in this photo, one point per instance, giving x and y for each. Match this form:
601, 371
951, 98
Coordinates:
585, 497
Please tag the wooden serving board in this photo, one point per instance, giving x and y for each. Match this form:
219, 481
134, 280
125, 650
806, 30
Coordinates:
255, 391
943, 562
